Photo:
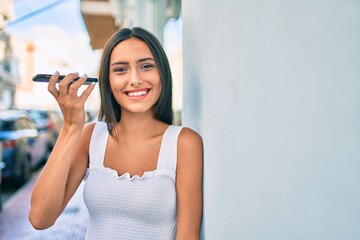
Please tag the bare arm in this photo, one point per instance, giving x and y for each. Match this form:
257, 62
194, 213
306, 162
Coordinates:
189, 185
67, 163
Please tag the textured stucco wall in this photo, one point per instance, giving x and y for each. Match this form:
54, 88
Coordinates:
273, 87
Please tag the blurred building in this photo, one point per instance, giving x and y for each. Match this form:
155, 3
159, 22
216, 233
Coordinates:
103, 17
8, 64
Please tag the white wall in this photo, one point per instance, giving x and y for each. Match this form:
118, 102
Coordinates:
273, 87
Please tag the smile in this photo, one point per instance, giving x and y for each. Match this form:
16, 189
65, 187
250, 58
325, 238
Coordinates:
137, 93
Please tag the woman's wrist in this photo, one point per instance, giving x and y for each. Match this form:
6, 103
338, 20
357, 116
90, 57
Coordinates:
72, 128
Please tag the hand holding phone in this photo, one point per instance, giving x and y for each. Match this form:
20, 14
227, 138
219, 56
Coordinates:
69, 97
46, 78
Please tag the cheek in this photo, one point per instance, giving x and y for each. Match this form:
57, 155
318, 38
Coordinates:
116, 83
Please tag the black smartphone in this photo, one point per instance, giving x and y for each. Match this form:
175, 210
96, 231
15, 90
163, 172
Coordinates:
46, 78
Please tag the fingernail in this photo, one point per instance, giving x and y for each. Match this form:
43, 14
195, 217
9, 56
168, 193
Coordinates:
84, 76
56, 73
93, 83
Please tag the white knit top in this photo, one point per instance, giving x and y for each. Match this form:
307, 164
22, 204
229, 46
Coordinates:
124, 207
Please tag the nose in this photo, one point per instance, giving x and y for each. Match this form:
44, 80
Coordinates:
135, 79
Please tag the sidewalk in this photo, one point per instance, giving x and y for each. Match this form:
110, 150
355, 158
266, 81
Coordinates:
14, 223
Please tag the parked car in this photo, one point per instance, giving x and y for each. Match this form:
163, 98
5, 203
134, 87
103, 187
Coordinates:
24, 146
48, 121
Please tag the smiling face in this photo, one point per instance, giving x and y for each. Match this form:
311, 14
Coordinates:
134, 76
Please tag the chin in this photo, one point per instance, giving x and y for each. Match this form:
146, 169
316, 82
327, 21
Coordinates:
139, 110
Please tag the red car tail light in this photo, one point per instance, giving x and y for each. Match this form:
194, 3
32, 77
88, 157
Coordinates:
9, 144
50, 125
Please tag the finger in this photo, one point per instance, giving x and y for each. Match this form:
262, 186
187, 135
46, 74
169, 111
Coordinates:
86, 93
64, 83
52, 84
75, 85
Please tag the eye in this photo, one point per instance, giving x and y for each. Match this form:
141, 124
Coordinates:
120, 70
147, 66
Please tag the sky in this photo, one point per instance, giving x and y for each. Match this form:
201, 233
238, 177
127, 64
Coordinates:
65, 14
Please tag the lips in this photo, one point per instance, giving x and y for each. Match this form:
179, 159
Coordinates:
137, 93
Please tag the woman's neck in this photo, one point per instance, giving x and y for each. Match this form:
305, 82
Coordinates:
138, 125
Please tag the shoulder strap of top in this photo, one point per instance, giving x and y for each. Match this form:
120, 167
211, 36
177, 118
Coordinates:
98, 143
168, 150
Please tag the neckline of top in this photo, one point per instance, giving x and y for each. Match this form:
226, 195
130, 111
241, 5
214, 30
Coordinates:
127, 174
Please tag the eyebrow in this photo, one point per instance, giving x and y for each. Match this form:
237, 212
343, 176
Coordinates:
140, 60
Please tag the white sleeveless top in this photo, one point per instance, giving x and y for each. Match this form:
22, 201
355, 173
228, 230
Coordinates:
124, 207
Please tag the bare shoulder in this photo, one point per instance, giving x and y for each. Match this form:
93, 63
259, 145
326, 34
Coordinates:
188, 138
86, 135
190, 148
88, 129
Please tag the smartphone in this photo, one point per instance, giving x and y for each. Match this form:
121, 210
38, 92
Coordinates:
46, 78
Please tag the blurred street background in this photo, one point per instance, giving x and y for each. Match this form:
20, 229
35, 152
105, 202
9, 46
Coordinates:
66, 36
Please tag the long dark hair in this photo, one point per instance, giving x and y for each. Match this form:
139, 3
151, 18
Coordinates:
110, 110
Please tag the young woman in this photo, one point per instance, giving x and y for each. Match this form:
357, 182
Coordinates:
143, 176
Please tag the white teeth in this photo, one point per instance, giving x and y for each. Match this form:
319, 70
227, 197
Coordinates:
136, 94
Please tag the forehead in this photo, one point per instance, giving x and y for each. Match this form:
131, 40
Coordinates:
131, 49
